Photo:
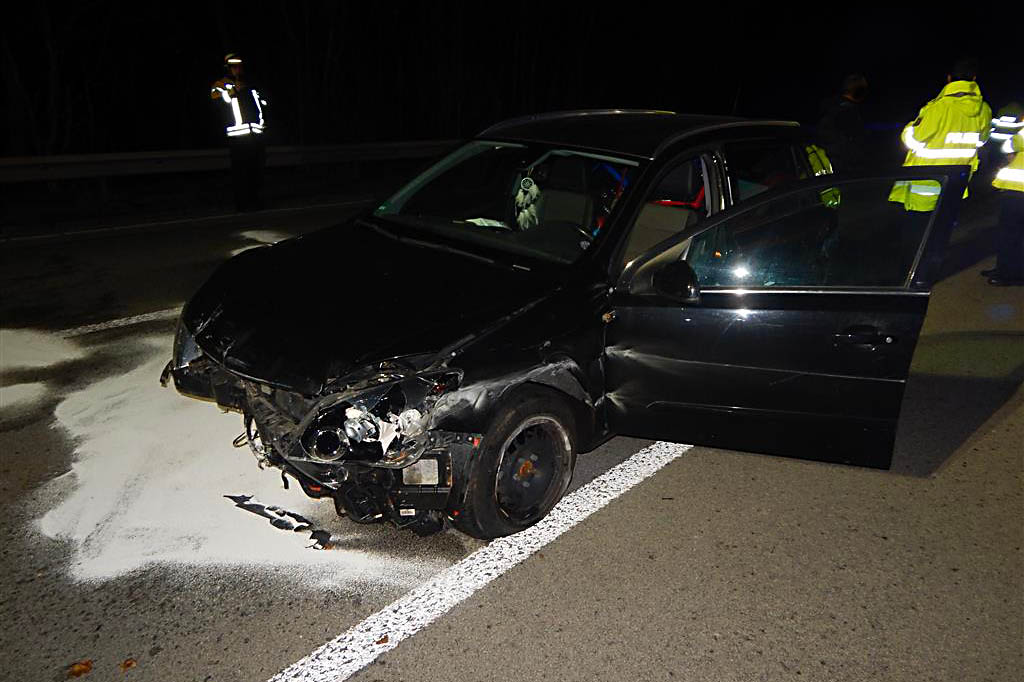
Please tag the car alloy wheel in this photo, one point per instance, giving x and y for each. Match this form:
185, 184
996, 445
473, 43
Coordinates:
530, 473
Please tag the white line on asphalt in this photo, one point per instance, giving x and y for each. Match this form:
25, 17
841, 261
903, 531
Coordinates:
168, 314
342, 657
177, 221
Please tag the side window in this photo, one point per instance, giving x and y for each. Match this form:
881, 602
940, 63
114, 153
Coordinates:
812, 238
755, 166
678, 201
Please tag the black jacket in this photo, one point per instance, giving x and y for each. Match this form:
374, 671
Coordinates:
841, 131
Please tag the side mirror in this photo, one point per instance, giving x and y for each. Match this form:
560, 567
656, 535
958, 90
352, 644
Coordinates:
676, 279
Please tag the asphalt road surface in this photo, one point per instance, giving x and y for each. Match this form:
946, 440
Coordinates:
135, 537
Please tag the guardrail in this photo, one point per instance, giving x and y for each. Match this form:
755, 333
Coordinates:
47, 168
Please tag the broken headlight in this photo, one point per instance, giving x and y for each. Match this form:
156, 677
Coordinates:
185, 348
383, 425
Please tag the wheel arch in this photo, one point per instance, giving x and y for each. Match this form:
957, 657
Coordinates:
582, 413
474, 407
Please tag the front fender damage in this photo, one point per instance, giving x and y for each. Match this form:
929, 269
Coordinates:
353, 442
418, 494
473, 406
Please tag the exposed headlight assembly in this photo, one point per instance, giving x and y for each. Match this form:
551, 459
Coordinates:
185, 348
382, 425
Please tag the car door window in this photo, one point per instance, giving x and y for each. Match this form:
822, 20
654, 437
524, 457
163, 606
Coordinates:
678, 201
848, 235
755, 166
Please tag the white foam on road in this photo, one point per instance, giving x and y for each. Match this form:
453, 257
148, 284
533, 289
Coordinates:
18, 397
341, 658
26, 349
30, 349
148, 483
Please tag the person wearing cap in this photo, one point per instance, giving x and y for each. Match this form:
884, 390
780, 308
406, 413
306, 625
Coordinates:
242, 110
841, 128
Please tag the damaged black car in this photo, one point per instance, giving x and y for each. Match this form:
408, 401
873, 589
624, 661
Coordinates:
561, 279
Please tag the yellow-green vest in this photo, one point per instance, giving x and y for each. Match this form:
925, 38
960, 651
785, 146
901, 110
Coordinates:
947, 132
1011, 176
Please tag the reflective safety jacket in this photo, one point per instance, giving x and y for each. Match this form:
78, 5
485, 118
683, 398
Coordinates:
242, 105
1007, 122
820, 164
947, 131
1011, 176
1004, 127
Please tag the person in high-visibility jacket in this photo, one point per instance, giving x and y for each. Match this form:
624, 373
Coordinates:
1009, 181
817, 159
242, 111
1007, 122
948, 131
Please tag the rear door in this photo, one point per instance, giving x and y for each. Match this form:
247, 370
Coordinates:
812, 298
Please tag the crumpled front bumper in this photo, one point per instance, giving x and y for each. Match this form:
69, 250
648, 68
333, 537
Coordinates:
204, 380
434, 483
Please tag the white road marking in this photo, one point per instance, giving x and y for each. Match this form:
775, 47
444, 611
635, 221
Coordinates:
177, 221
342, 657
167, 314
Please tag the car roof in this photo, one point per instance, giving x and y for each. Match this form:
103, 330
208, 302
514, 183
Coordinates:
639, 133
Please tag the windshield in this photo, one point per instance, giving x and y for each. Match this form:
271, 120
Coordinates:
535, 200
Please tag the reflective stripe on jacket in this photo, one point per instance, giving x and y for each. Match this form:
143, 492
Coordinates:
1005, 127
947, 131
822, 165
245, 106
1011, 176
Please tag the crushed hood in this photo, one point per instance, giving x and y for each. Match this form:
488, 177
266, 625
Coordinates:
311, 310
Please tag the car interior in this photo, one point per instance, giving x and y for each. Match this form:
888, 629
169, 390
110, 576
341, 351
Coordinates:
677, 203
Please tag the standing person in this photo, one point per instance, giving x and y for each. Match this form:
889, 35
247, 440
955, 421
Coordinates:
1009, 270
241, 107
841, 127
1007, 122
947, 131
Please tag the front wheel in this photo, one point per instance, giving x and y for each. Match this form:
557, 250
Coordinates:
523, 468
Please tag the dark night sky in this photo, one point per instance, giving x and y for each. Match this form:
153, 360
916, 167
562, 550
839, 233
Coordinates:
107, 77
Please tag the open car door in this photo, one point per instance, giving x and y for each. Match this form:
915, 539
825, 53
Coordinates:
786, 325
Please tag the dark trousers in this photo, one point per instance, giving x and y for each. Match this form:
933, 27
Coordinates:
248, 157
1010, 241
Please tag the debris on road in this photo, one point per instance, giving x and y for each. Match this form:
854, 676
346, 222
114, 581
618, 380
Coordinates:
80, 668
287, 520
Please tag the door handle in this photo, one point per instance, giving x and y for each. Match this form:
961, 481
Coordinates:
862, 336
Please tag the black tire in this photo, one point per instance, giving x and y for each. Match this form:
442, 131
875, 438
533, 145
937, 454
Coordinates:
524, 467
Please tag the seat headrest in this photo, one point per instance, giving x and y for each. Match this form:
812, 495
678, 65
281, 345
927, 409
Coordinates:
567, 173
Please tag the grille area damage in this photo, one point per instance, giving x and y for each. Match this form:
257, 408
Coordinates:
370, 444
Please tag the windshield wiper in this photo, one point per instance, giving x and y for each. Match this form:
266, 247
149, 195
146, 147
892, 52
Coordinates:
377, 228
437, 246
